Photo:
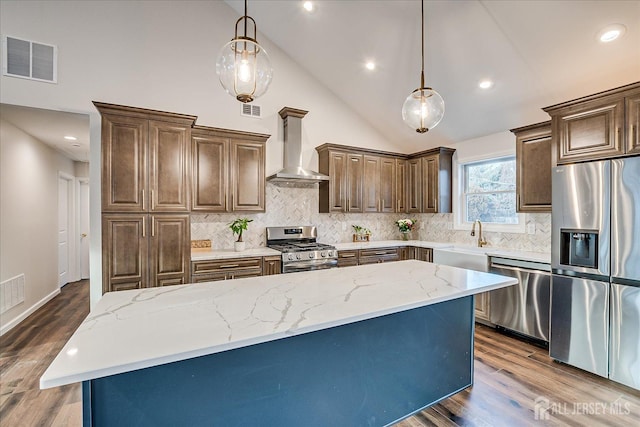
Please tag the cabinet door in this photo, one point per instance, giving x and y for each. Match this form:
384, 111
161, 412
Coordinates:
387, 184
124, 252
170, 250
371, 184
482, 306
430, 168
347, 258
248, 180
425, 254
210, 173
354, 182
401, 185
169, 147
533, 170
337, 182
414, 184
592, 130
271, 265
124, 164
633, 124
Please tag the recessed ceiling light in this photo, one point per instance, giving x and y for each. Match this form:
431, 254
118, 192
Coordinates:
370, 65
70, 138
308, 6
485, 84
611, 32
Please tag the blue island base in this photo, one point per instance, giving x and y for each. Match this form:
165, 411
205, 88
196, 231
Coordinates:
369, 373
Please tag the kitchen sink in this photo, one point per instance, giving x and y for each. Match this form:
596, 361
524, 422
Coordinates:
470, 257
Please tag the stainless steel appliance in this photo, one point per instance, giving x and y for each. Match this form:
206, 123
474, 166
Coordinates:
300, 250
523, 308
595, 304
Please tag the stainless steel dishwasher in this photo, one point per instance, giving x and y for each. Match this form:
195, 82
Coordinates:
523, 308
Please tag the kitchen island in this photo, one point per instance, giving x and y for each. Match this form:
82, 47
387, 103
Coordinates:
366, 345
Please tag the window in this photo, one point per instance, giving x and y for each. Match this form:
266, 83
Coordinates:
489, 191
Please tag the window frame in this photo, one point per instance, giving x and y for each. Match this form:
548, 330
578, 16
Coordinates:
459, 205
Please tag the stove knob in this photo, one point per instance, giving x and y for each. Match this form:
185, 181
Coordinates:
323, 254
290, 256
330, 254
310, 254
297, 256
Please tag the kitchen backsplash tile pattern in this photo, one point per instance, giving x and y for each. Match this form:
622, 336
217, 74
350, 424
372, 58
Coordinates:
289, 205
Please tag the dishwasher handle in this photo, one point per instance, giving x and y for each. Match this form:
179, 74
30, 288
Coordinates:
519, 265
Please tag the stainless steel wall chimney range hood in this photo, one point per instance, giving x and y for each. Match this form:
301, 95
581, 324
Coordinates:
293, 172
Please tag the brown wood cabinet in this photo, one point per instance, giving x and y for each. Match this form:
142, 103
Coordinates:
142, 250
379, 184
347, 258
378, 255
632, 109
343, 192
271, 265
401, 185
145, 160
224, 269
437, 180
228, 172
355, 170
533, 167
595, 127
414, 186
424, 254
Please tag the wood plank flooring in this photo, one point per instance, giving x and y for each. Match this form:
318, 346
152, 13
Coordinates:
516, 383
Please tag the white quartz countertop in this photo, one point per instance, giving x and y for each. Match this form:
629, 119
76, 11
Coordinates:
389, 244
209, 254
136, 329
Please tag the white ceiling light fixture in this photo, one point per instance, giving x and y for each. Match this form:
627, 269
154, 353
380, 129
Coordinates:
70, 138
308, 6
424, 107
243, 66
485, 84
370, 65
611, 33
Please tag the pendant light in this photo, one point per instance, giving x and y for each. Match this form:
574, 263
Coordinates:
243, 66
424, 107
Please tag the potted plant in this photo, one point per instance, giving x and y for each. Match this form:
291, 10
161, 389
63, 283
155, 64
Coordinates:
361, 233
237, 227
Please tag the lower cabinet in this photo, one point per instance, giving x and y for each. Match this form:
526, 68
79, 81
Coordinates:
271, 265
483, 302
144, 250
424, 254
373, 256
223, 269
347, 258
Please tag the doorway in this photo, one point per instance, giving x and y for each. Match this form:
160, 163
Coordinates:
65, 229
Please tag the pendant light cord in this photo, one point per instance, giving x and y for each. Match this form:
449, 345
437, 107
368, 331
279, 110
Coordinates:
422, 39
245, 21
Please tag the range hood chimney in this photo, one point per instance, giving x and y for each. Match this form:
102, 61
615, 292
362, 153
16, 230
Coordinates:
293, 172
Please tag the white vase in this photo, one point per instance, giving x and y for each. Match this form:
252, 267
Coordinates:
239, 246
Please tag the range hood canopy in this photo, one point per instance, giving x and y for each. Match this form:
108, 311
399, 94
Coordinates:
293, 171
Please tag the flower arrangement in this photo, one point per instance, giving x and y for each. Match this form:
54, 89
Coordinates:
405, 225
360, 233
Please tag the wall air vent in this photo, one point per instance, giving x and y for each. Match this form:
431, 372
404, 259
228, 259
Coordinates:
250, 110
29, 60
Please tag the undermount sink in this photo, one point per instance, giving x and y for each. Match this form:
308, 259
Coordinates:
469, 257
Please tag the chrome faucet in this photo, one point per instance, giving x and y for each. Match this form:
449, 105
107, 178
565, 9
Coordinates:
481, 240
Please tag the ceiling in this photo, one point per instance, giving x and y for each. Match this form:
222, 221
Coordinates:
537, 53
51, 127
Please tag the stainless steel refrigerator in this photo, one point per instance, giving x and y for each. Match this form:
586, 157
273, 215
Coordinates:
595, 261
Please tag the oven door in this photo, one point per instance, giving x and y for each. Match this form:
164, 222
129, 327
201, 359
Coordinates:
308, 265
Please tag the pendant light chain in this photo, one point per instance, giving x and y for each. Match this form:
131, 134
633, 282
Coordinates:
422, 39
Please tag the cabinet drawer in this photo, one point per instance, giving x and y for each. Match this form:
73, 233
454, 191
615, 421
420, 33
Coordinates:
347, 258
223, 265
379, 252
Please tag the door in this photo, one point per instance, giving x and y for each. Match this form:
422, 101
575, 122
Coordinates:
624, 365
338, 182
371, 184
170, 250
83, 225
430, 187
633, 124
580, 323
210, 173
248, 182
354, 182
387, 184
625, 219
65, 243
414, 184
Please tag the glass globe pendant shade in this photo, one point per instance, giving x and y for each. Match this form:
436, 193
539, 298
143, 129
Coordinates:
423, 109
244, 69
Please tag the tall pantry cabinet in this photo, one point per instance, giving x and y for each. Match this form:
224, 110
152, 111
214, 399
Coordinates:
145, 197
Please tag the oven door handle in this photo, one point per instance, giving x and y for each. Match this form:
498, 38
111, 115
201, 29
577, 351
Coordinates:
312, 264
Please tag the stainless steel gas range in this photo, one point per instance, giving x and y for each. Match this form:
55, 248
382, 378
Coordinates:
300, 251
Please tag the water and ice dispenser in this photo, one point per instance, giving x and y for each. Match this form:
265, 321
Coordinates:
579, 248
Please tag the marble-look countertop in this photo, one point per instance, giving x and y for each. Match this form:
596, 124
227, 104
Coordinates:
389, 244
136, 329
206, 254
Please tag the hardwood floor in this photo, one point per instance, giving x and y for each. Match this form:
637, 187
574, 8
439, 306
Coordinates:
515, 382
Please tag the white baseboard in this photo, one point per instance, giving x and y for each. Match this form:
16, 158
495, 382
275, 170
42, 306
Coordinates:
13, 323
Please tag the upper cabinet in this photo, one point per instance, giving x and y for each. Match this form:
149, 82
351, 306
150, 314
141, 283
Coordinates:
362, 180
596, 127
145, 158
228, 170
533, 168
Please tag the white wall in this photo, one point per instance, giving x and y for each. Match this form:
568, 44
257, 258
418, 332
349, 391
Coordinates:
29, 217
161, 55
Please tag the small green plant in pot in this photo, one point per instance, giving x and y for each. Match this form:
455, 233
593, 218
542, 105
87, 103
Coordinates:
237, 227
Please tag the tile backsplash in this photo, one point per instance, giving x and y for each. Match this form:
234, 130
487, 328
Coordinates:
291, 205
